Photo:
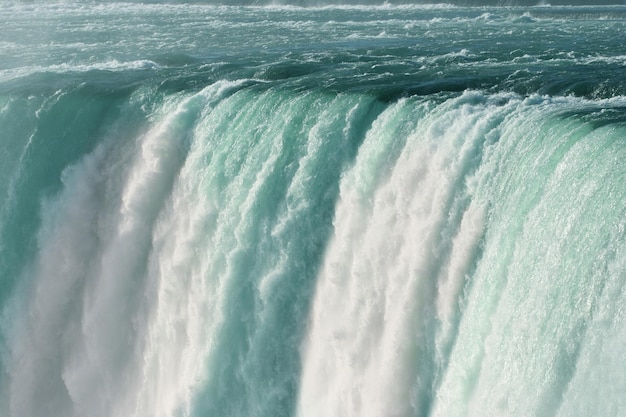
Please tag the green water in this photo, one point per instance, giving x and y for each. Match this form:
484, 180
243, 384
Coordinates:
335, 211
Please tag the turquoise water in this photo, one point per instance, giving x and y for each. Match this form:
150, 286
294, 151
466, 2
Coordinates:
379, 211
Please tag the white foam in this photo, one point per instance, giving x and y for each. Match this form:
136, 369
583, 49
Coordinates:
112, 65
88, 314
379, 287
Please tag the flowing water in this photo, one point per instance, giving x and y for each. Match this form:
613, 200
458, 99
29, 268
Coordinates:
381, 211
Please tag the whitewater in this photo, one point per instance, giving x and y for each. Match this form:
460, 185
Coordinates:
338, 211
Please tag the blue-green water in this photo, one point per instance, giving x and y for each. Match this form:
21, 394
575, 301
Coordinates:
339, 211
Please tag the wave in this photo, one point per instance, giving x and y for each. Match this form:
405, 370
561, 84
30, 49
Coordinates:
113, 65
